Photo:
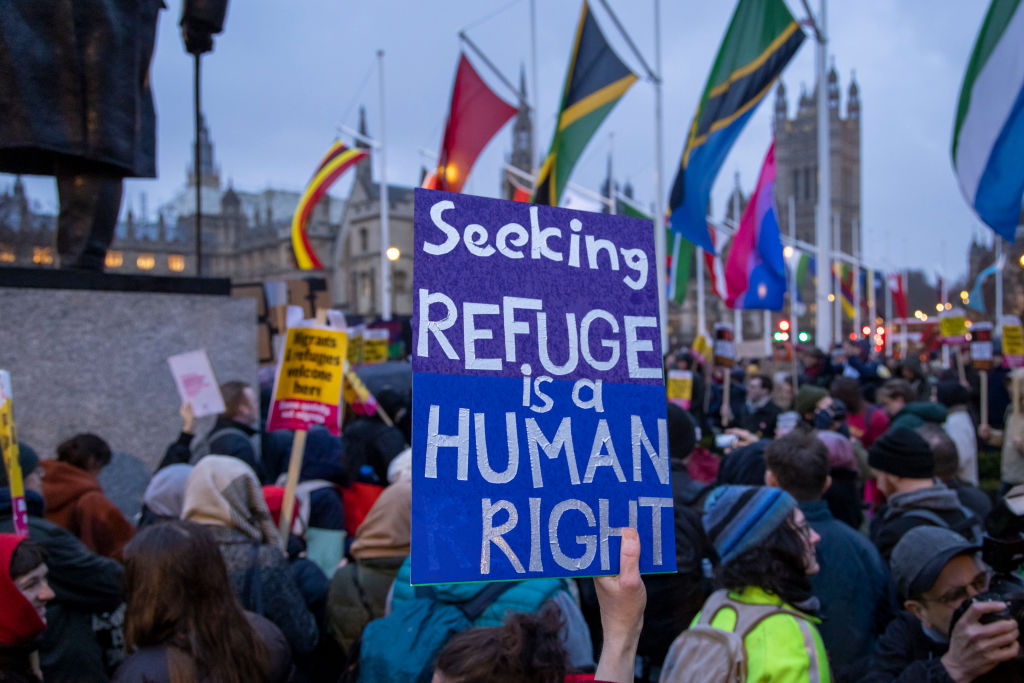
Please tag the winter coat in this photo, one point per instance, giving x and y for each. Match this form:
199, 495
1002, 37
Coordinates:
852, 586
527, 596
83, 584
906, 654
263, 581
917, 413
75, 501
371, 443
960, 428
1012, 462
782, 648
760, 420
74, 86
16, 665
868, 425
149, 665
897, 517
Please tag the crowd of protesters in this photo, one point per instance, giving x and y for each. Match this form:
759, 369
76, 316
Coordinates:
835, 533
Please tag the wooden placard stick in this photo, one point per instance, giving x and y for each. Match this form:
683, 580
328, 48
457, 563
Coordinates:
984, 397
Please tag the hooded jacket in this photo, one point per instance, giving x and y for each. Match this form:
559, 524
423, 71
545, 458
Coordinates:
75, 501
20, 624
917, 413
899, 516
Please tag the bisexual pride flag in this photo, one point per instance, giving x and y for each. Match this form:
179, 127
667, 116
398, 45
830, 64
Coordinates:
539, 402
755, 272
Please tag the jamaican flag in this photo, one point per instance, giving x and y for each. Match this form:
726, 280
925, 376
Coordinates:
762, 37
596, 80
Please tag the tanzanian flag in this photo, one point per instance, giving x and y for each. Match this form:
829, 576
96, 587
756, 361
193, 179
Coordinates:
762, 37
597, 79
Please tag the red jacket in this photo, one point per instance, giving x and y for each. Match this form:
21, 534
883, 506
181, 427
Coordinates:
75, 501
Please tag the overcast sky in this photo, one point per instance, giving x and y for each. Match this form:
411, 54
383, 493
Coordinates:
284, 74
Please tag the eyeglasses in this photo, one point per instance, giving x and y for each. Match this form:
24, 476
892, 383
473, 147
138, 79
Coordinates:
955, 596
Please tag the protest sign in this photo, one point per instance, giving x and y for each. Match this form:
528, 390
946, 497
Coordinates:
307, 387
1013, 341
375, 346
196, 383
355, 344
981, 346
953, 327
725, 348
680, 388
9, 444
538, 402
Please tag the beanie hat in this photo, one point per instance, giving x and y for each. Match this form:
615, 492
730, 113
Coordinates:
682, 436
904, 453
807, 397
19, 621
737, 518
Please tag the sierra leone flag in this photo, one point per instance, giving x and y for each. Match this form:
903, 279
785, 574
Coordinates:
988, 140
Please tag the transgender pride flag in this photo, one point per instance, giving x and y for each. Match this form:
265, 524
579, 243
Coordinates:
755, 272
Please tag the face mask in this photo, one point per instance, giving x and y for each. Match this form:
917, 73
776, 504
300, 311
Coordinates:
822, 419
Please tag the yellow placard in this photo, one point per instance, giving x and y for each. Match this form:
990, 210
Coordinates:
355, 345
375, 350
9, 443
680, 385
312, 367
701, 346
953, 328
1013, 340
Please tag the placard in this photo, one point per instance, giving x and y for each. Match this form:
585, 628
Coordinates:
725, 348
680, 388
9, 445
538, 401
375, 346
981, 346
196, 383
953, 327
308, 385
355, 344
1013, 341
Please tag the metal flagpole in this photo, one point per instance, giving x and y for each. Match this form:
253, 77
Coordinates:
999, 280
890, 329
385, 226
702, 312
823, 228
767, 331
943, 297
837, 284
794, 324
536, 85
856, 279
906, 296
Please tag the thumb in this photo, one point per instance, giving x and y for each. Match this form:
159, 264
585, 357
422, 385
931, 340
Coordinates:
629, 554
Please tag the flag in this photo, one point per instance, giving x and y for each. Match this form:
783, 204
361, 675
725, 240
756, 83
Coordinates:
976, 299
713, 260
596, 80
762, 37
337, 160
805, 266
679, 254
755, 272
571, 199
475, 116
899, 295
357, 395
988, 136
844, 272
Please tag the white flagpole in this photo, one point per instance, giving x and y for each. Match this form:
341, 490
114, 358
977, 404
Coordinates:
856, 280
837, 285
890, 329
385, 227
766, 327
737, 314
823, 227
536, 86
794, 319
906, 295
999, 280
659, 194
702, 311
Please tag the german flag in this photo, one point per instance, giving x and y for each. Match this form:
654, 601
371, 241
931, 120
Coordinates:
597, 79
337, 160
762, 37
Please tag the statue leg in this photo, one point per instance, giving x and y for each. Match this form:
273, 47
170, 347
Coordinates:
89, 205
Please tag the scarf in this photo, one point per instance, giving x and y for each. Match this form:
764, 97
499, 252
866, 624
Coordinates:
223, 491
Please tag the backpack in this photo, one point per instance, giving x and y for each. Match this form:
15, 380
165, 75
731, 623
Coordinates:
402, 647
705, 653
970, 527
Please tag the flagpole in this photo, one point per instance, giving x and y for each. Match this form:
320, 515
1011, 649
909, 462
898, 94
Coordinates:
737, 314
943, 298
906, 297
823, 229
890, 329
536, 85
794, 319
702, 313
385, 226
766, 327
999, 281
659, 196
837, 282
855, 238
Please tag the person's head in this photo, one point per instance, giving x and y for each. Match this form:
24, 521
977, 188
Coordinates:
950, 393
240, 403
901, 461
786, 393
525, 649
762, 540
798, 464
894, 395
935, 569
24, 590
31, 472
178, 595
759, 387
944, 451
682, 435
847, 390
684, 360
224, 491
809, 400
87, 452
165, 494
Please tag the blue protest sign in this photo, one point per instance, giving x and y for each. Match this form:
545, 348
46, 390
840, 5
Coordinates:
538, 398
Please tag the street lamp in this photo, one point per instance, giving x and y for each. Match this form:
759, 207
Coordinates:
392, 253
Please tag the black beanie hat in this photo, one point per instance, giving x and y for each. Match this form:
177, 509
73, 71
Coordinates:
682, 436
903, 453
